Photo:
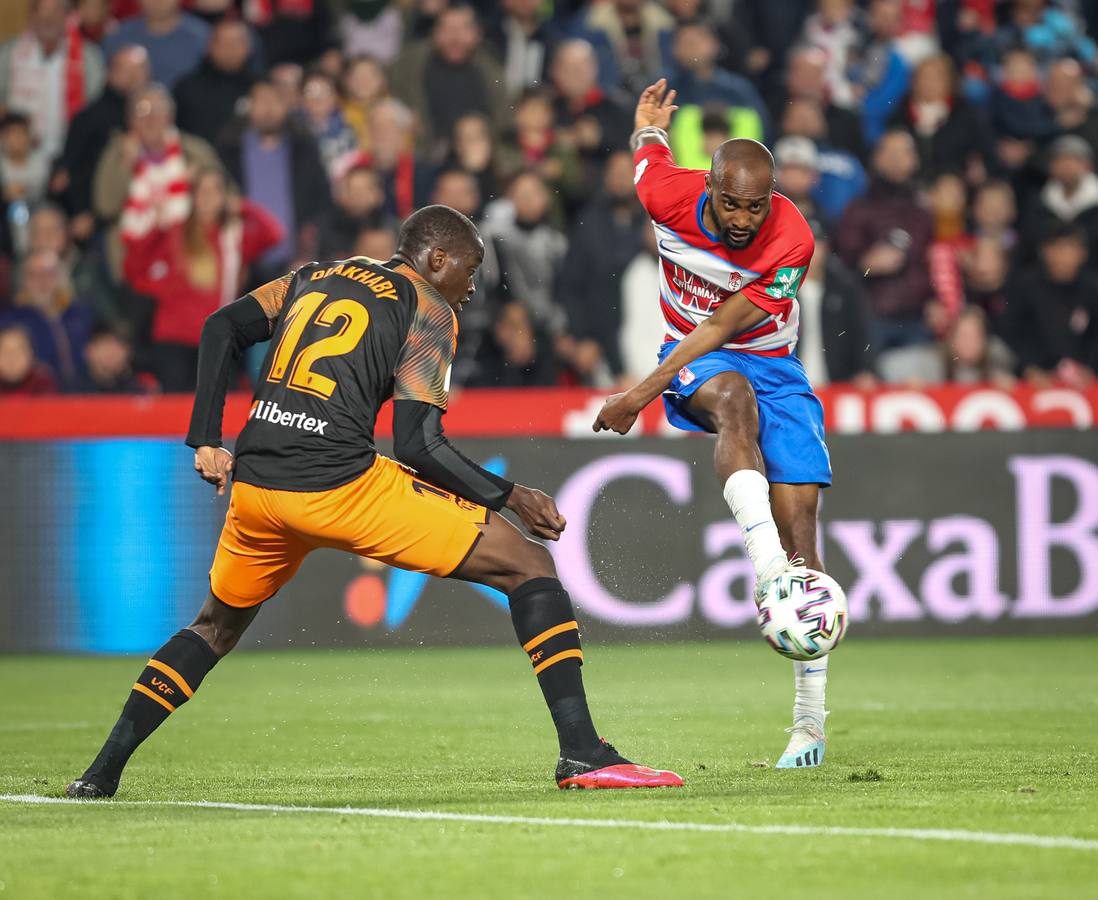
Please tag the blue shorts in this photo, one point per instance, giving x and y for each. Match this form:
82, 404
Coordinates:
791, 424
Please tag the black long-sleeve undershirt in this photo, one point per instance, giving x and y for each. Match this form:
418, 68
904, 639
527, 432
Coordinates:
418, 442
225, 336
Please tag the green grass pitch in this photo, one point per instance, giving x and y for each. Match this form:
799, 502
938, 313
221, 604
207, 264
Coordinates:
980, 735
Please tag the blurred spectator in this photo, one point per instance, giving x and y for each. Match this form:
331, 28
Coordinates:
376, 243
458, 189
278, 167
967, 355
407, 177
1018, 110
146, 164
49, 73
108, 366
323, 117
834, 340
878, 73
214, 93
985, 271
46, 309
95, 19
949, 207
1071, 101
191, 268
586, 118
758, 37
842, 177
287, 79
638, 33
48, 230
607, 235
1071, 193
293, 31
642, 328
701, 84
373, 27
518, 354
364, 84
835, 29
523, 39
1051, 320
995, 214
472, 150
950, 134
797, 172
1049, 30
804, 80
885, 236
359, 205
524, 253
537, 145
24, 169
20, 373
450, 75
175, 40
90, 132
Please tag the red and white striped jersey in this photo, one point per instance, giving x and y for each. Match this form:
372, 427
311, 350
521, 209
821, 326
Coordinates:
698, 273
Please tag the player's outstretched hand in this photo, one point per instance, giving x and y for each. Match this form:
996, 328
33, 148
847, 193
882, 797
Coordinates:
655, 106
538, 512
214, 465
618, 413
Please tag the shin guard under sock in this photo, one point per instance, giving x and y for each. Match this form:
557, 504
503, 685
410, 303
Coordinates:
169, 679
546, 627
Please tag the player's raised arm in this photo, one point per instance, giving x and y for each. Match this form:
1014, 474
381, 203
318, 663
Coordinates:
734, 316
653, 115
225, 336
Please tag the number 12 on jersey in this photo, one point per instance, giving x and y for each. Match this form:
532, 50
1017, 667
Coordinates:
352, 320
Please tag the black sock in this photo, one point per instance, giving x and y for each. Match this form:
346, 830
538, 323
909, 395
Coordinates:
169, 680
545, 624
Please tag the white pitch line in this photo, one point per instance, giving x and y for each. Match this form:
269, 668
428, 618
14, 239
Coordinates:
1060, 842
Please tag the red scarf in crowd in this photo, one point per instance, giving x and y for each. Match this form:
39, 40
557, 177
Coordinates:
26, 80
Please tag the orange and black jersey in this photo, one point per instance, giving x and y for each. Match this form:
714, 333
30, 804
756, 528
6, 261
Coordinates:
345, 336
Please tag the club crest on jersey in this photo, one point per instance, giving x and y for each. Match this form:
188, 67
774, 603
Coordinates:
735, 281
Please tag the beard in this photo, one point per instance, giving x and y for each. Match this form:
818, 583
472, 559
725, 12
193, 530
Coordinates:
726, 236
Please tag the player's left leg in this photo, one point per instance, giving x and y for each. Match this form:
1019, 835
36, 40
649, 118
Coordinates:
795, 509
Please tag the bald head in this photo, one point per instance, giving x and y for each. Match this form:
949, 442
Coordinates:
740, 184
743, 154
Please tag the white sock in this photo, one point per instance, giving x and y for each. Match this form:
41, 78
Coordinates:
747, 494
810, 681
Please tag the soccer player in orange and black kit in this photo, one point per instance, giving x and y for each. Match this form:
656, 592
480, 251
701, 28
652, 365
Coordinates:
345, 336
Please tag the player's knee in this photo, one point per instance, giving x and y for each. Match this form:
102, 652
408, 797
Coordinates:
221, 632
533, 562
734, 403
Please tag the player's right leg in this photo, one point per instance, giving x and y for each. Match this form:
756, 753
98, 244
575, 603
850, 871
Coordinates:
546, 627
254, 558
725, 404
169, 679
393, 516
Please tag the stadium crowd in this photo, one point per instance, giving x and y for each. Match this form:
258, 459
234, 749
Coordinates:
159, 157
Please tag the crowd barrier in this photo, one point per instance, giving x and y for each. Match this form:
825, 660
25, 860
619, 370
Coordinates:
960, 510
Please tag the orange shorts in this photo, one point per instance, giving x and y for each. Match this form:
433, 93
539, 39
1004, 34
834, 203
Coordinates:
387, 514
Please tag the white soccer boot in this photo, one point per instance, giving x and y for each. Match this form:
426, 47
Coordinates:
778, 566
806, 746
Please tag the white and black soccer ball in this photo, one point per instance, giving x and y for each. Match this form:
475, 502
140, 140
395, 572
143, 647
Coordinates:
803, 615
